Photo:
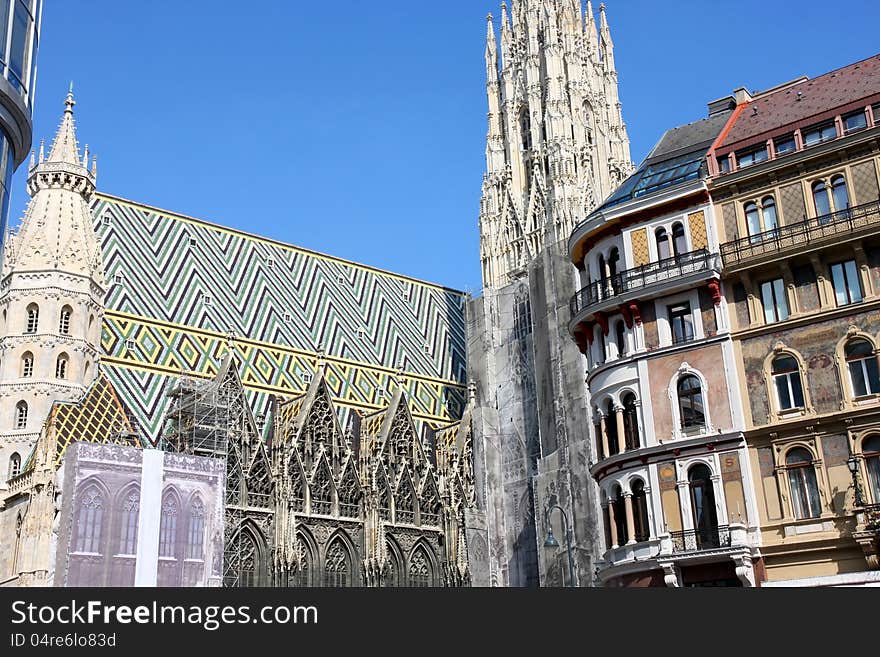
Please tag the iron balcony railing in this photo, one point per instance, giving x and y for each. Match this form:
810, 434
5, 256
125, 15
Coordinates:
693, 540
642, 277
872, 516
816, 231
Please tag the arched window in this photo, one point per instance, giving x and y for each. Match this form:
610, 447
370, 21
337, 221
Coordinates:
802, 481
620, 335
613, 261
820, 200
679, 241
768, 214
61, 366
600, 345
394, 566
640, 510
620, 516
611, 427
421, 571
603, 270
663, 248
168, 526
703, 510
302, 576
14, 465
21, 415
787, 381
196, 536
863, 371
64, 321
690, 402
336, 566
525, 126
871, 453
753, 219
839, 194
250, 561
90, 518
33, 318
404, 503
630, 422
129, 522
27, 365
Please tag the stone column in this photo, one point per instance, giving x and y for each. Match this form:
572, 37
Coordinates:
630, 519
826, 290
612, 523
621, 439
864, 270
790, 289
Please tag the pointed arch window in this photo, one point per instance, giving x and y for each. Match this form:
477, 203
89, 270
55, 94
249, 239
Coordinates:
394, 569
14, 465
871, 454
250, 563
336, 567
33, 318
322, 490
64, 320
802, 481
864, 373
787, 381
61, 366
690, 403
168, 526
301, 576
404, 504
90, 519
664, 251
640, 510
679, 240
421, 570
129, 522
196, 539
525, 123
630, 422
27, 365
21, 415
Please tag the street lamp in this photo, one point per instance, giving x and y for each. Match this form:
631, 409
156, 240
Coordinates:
853, 464
551, 541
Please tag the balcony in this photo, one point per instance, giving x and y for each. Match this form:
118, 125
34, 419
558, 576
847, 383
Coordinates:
693, 540
851, 224
686, 268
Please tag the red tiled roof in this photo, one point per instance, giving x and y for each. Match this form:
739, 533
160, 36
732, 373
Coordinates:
820, 98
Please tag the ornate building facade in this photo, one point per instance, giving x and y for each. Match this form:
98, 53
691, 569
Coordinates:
556, 146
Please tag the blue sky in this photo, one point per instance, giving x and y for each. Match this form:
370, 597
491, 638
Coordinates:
358, 129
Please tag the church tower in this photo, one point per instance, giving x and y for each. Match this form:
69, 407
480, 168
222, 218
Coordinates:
51, 296
556, 147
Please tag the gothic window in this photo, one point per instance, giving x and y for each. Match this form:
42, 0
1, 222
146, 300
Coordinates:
630, 422
250, 564
404, 503
21, 415
297, 487
802, 481
663, 249
14, 465
384, 501
89, 522
863, 371
421, 572
322, 489
336, 566
196, 540
690, 403
525, 123
349, 493
787, 381
394, 570
259, 483
871, 454
640, 510
61, 366
430, 506
301, 577
27, 365
64, 321
703, 510
33, 318
679, 240
129, 522
168, 526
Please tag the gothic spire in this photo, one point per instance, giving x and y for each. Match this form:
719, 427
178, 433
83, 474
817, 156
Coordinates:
65, 148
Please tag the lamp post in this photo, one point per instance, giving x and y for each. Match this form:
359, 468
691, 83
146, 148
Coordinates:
853, 464
551, 541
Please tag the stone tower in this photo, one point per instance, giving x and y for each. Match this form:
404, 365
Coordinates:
556, 146
51, 296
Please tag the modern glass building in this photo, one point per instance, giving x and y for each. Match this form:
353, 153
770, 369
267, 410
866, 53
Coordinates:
19, 38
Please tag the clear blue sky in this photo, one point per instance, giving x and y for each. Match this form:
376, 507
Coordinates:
358, 128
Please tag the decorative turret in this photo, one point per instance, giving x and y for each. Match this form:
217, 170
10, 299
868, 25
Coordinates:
51, 294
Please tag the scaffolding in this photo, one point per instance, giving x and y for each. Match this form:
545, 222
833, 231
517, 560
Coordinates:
212, 419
